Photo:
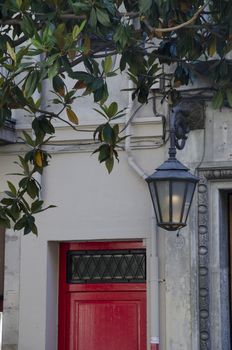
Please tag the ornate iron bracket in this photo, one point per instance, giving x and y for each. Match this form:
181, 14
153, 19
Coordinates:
178, 128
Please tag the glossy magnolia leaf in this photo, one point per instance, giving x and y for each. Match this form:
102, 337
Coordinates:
72, 116
58, 85
229, 96
36, 206
107, 133
107, 64
27, 26
32, 188
38, 158
53, 70
19, 3
212, 47
20, 223
103, 17
112, 109
104, 152
93, 18
218, 99
12, 188
7, 201
11, 52
31, 83
144, 5
77, 30
109, 164
15, 211
79, 85
28, 139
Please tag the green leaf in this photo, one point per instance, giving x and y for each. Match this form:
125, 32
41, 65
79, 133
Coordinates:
229, 96
107, 133
144, 5
109, 164
28, 139
80, 7
122, 36
53, 70
11, 52
24, 164
104, 153
103, 17
101, 94
12, 188
32, 189
20, 223
97, 83
7, 201
77, 30
107, 64
116, 129
218, 99
15, 211
10, 194
31, 84
27, 26
19, 3
21, 53
58, 85
28, 223
112, 109
93, 18
46, 126
19, 97
36, 206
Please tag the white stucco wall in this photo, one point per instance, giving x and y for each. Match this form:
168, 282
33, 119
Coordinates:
91, 206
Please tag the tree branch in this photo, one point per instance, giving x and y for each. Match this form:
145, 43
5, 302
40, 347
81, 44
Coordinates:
17, 21
179, 26
10, 22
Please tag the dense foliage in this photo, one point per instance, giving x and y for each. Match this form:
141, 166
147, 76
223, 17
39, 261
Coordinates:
59, 40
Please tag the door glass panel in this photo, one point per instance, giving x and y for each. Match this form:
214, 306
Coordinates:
106, 266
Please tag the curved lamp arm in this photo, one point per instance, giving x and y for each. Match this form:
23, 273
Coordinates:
179, 129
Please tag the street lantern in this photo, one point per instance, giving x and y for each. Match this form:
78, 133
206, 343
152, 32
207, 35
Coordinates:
172, 185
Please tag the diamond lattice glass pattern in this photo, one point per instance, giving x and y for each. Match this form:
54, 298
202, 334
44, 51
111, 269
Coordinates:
101, 266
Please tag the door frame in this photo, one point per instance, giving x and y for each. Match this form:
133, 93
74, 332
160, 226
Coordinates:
65, 287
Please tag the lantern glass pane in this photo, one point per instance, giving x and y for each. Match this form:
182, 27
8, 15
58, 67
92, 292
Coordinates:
178, 196
190, 192
163, 198
152, 187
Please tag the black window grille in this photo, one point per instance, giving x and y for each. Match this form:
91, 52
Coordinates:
106, 266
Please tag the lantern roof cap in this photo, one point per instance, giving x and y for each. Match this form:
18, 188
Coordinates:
172, 164
172, 169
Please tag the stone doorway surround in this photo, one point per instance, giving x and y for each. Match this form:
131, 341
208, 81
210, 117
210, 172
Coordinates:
213, 296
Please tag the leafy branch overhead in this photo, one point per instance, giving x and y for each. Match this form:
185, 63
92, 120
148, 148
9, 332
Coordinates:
77, 41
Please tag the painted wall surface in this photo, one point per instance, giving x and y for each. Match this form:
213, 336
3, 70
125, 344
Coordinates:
91, 205
11, 270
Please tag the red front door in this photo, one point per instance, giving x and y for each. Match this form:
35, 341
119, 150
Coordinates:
102, 299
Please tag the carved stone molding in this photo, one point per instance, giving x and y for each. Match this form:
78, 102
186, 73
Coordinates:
205, 175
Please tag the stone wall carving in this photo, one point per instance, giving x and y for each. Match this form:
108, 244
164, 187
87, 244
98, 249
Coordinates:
205, 176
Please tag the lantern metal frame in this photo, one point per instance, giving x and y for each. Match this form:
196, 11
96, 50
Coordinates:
174, 173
